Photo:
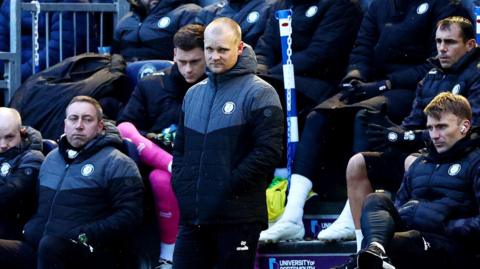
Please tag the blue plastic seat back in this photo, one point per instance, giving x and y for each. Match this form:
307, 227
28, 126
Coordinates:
48, 145
131, 151
137, 70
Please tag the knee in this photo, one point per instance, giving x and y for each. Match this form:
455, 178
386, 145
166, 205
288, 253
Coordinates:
315, 119
50, 245
375, 200
356, 168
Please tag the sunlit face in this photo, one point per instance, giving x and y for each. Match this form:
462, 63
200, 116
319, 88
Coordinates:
9, 134
191, 63
450, 45
221, 49
446, 131
82, 124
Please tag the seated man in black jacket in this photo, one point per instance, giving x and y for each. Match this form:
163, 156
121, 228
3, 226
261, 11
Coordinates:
20, 160
456, 70
434, 220
156, 102
154, 108
387, 61
90, 198
323, 33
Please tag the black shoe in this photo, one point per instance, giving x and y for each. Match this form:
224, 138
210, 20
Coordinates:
350, 264
373, 258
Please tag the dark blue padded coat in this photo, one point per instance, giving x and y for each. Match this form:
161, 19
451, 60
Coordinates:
251, 15
19, 168
396, 37
156, 101
441, 192
323, 32
462, 78
99, 193
228, 142
139, 37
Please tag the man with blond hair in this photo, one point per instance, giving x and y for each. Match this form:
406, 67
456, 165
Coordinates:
228, 142
434, 220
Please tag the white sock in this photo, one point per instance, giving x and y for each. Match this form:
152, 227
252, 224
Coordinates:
166, 251
359, 236
379, 246
299, 188
346, 216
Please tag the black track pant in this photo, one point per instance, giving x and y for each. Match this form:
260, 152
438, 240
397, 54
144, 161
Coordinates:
381, 223
217, 246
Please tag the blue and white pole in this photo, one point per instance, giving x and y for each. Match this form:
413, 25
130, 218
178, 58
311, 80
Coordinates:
284, 18
477, 20
35, 44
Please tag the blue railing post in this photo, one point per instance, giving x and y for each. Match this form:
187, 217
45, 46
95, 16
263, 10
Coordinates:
284, 20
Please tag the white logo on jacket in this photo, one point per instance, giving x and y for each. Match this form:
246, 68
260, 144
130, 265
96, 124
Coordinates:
454, 169
87, 170
146, 70
253, 16
5, 169
228, 107
422, 8
311, 11
164, 22
456, 89
392, 136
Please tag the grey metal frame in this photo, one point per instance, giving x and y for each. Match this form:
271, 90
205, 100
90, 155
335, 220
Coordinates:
13, 60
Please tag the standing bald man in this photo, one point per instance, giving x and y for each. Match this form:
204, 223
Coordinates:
228, 142
20, 160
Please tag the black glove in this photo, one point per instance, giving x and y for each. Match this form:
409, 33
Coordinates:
382, 137
359, 91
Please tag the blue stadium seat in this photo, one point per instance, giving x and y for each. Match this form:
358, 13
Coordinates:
48, 145
137, 70
131, 150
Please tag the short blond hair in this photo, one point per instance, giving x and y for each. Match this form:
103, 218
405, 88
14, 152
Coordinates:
227, 23
447, 102
90, 100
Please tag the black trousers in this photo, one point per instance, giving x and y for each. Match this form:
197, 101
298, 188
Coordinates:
331, 135
216, 246
381, 223
54, 253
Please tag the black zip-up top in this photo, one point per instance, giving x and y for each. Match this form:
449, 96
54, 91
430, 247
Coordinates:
229, 140
97, 191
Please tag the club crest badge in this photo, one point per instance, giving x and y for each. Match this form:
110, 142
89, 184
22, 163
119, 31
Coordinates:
164, 22
5, 169
253, 16
228, 108
87, 170
311, 11
146, 69
456, 89
454, 169
422, 8
392, 136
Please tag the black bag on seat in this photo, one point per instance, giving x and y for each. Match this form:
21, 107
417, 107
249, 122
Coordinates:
43, 97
